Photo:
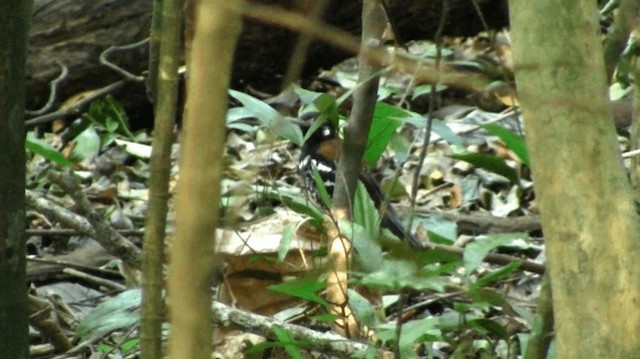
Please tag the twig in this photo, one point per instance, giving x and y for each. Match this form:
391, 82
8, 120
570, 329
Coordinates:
107, 272
53, 85
93, 224
67, 232
94, 279
126, 74
76, 108
328, 342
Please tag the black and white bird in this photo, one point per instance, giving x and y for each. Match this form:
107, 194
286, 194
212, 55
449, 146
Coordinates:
321, 151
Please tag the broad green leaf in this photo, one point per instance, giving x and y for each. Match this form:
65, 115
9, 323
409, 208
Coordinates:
114, 314
440, 128
370, 253
421, 330
386, 120
269, 117
444, 231
45, 150
87, 145
266, 114
475, 252
307, 96
364, 310
401, 148
487, 295
237, 114
399, 274
514, 142
492, 164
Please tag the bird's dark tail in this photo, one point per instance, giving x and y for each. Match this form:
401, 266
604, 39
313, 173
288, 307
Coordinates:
389, 217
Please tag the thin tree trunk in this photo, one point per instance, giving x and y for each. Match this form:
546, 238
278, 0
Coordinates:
592, 231
166, 101
356, 132
15, 16
201, 164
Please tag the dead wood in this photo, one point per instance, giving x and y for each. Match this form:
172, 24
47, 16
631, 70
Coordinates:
76, 32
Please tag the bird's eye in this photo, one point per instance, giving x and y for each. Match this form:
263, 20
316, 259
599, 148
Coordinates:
326, 131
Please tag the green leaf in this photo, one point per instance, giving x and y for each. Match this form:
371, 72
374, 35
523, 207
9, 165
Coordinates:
386, 120
496, 275
514, 142
365, 212
426, 89
295, 201
110, 115
307, 96
288, 342
440, 128
363, 309
399, 274
401, 148
475, 252
370, 255
87, 145
113, 314
45, 150
320, 187
305, 288
486, 326
487, 295
492, 164
421, 330
285, 242
269, 117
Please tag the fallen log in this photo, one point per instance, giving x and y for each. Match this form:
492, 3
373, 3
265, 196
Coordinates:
76, 32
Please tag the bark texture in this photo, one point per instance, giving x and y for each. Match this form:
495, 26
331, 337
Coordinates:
588, 215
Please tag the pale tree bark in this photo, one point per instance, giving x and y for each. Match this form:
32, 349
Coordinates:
356, 132
217, 29
592, 232
166, 101
15, 16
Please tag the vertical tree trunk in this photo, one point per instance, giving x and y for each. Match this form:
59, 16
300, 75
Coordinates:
591, 228
15, 16
166, 35
217, 29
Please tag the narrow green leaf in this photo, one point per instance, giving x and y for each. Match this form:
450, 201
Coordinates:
514, 142
365, 212
492, 164
285, 242
305, 288
322, 190
496, 275
45, 150
288, 342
